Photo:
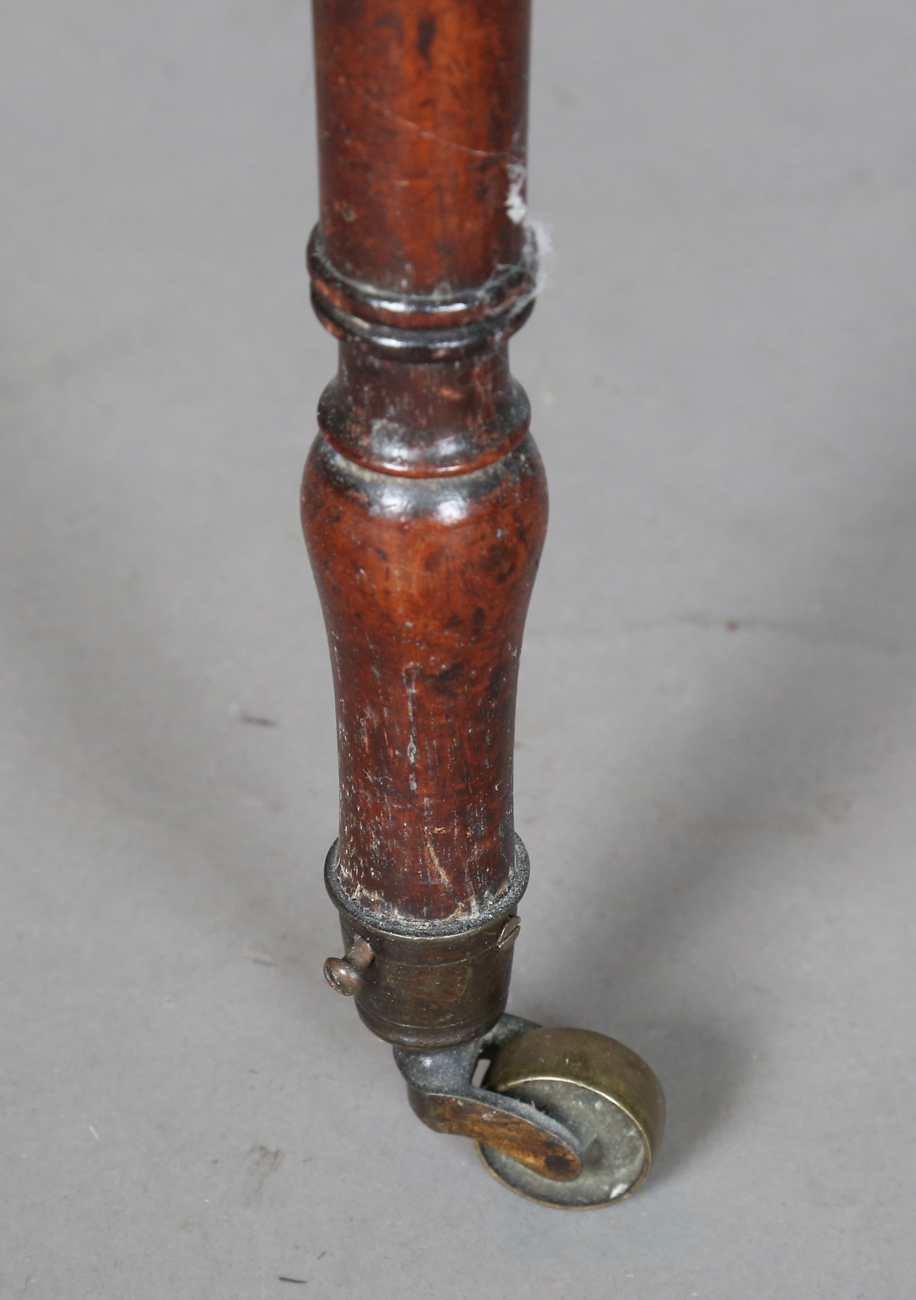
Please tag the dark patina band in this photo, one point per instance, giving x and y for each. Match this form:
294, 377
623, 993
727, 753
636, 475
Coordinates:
490, 910
415, 327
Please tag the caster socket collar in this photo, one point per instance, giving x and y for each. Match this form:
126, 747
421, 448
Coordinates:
427, 985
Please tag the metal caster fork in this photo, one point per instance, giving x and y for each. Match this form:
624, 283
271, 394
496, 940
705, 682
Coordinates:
566, 1117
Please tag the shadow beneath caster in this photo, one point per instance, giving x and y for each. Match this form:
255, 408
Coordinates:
701, 1073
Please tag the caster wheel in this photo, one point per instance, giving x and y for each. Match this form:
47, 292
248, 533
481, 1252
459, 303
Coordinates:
602, 1092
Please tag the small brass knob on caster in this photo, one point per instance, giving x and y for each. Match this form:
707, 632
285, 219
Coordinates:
345, 974
599, 1090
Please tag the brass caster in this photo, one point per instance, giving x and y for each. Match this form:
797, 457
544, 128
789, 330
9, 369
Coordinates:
565, 1117
599, 1090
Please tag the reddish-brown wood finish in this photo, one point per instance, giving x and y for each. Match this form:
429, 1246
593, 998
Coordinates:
422, 128
424, 500
425, 587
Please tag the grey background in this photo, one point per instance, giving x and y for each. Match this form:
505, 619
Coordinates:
717, 727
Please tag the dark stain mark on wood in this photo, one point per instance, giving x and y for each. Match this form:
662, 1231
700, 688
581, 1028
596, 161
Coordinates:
426, 34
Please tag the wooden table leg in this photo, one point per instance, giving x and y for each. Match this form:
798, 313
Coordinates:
425, 509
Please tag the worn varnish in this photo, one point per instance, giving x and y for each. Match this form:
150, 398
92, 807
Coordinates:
422, 127
424, 499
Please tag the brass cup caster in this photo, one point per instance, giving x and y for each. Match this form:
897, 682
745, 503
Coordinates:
565, 1117
601, 1091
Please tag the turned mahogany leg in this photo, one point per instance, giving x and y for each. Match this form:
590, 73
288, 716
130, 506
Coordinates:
425, 508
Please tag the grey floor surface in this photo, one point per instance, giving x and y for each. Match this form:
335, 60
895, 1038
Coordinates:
717, 734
